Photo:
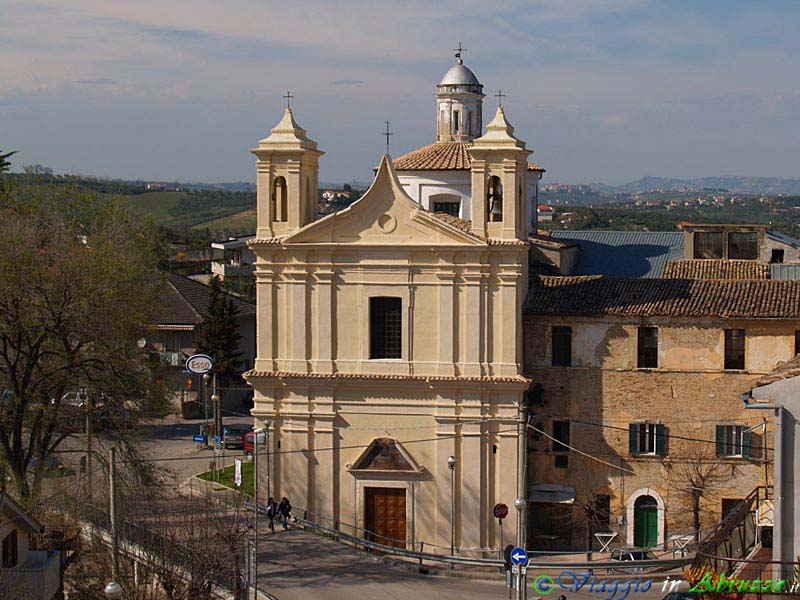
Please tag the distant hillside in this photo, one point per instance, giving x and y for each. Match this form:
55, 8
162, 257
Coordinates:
732, 183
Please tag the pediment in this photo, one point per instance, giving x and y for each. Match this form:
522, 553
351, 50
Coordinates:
384, 215
384, 455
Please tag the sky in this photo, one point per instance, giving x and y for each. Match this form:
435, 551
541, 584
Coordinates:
601, 90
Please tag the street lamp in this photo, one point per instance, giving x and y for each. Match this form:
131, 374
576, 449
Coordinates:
256, 434
522, 589
451, 464
113, 591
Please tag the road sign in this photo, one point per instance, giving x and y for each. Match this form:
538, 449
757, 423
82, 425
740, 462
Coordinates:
217, 441
237, 472
500, 511
200, 364
199, 438
519, 556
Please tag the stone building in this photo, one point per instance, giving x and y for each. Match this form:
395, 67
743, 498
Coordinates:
646, 375
389, 339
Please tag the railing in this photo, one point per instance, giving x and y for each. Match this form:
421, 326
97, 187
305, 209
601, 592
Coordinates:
736, 536
227, 269
38, 582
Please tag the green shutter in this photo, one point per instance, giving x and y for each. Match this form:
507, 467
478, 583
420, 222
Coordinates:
720, 440
661, 439
746, 441
633, 438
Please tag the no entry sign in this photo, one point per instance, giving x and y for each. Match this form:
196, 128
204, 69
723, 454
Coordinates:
500, 511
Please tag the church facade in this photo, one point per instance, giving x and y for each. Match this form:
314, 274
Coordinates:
389, 339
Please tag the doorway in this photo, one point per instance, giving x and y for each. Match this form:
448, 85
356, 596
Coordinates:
385, 515
645, 522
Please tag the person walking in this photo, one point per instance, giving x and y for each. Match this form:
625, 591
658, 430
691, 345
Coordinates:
272, 513
284, 512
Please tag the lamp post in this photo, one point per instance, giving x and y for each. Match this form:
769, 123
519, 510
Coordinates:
520, 504
256, 433
451, 464
113, 591
204, 393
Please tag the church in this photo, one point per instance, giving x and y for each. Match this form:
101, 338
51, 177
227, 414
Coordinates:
389, 334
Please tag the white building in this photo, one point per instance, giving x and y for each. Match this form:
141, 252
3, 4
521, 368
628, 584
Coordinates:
438, 175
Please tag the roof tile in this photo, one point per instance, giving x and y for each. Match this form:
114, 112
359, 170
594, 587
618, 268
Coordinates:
441, 156
716, 269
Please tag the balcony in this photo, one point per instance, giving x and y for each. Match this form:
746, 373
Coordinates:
228, 269
38, 578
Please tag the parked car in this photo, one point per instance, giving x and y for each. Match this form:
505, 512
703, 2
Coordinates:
233, 436
632, 555
249, 443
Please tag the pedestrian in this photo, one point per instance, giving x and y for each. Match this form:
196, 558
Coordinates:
272, 513
285, 512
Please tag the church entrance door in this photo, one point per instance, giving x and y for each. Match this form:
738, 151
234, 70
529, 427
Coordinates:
385, 515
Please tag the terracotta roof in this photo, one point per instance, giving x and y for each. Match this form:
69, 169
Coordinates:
383, 376
784, 370
185, 302
724, 298
441, 156
716, 269
544, 238
466, 227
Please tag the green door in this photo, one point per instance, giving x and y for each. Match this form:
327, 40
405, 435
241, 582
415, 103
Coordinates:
645, 523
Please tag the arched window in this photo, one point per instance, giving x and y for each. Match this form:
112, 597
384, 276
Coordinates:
279, 201
494, 199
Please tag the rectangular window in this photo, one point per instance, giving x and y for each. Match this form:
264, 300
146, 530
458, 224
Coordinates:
385, 327
734, 349
777, 256
449, 208
708, 244
562, 346
561, 435
173, 342
455, 121
648, 348
10, 550
743, 245
733, 440
647, 438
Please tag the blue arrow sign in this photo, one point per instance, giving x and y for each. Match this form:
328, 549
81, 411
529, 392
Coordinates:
199, 438
519, 556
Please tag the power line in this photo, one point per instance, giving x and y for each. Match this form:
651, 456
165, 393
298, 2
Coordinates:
582, 453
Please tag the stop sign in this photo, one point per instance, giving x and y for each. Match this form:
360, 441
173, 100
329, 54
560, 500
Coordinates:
500, 511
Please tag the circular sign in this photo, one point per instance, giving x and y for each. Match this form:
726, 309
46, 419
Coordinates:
500, 511
199, 364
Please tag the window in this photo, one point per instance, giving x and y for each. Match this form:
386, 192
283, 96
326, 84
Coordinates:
385, 327
10, 550
797, 342
733, 440
455, 121
173, 341
647, 438
279, 206
601, 513
562, 346
777, 256
743, 245
734, 349
648, 348
708, 244
561, 435
450, 208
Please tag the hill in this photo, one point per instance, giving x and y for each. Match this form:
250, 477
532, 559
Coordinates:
731, 183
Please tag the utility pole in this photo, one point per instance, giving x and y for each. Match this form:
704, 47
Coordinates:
112, 510
521, 503
87, 406
256, 434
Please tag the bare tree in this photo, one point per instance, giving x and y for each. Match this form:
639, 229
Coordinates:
699, 477
591, 481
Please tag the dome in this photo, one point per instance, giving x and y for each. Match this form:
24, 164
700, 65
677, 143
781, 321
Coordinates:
459, 75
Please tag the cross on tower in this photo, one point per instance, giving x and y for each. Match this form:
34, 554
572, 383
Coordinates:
288, 98
387, 133
458, 52
500, 95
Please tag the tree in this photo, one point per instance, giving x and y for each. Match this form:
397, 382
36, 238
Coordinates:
218, 336
77, 290
4, 162
699, 477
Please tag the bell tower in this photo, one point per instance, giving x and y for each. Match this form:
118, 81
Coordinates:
499, 182
287, 164
459, 104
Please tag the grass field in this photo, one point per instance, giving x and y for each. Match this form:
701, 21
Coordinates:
155, 204
226, 477
244, 222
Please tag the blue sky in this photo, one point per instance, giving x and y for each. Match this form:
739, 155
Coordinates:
602, 90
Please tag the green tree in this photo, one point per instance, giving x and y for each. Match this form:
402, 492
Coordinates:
5, 164
218, 336
78, 288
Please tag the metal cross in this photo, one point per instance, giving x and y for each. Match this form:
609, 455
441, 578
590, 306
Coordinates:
458, 51
288, 98
387, 134
500, 95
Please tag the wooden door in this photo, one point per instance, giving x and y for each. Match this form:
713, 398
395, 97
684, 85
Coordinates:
385, 515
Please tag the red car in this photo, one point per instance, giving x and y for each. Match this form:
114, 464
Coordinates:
249, 443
